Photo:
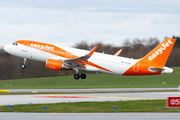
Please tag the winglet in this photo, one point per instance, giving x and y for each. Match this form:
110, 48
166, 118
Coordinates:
118, 53
93, 50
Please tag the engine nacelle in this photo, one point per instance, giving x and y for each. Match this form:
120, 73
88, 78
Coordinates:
56, 65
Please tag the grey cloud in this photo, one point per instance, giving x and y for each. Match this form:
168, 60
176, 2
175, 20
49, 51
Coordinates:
133, 6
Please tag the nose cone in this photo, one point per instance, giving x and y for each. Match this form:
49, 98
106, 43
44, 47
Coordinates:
7, 48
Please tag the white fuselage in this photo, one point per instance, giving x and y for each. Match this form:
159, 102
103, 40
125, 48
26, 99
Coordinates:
92, 61
118, 65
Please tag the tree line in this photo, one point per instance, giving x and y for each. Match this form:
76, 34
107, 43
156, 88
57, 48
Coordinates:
10, 66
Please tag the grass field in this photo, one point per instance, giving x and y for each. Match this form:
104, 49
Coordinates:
96, 81
93, 107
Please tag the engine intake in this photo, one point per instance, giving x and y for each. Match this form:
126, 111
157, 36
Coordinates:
56, 65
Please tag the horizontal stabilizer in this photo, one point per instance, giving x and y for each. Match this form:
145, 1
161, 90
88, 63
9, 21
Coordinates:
153, 69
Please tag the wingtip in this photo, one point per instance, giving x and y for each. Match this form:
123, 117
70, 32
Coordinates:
118, 53
93, 50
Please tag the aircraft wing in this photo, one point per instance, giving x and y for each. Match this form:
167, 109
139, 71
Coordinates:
80, 61
117, 54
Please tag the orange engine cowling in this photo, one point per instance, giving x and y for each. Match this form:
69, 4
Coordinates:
56, 65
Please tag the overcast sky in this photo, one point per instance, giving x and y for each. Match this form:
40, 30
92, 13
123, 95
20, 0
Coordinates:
67, 22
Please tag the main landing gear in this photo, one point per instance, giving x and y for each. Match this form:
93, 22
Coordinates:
77, 76
24, 63
83, 76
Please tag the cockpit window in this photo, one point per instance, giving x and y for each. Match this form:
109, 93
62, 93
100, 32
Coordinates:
15, 44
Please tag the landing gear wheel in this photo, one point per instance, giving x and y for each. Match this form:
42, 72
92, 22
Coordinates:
83, 76
76, 76
24, 63
23, 66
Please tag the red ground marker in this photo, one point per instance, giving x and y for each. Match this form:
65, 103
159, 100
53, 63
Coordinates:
173, 102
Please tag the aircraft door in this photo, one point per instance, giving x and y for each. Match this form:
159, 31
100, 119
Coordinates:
25, 45
136, 67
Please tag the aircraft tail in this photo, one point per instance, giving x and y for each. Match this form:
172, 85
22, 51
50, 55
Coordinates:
160, 54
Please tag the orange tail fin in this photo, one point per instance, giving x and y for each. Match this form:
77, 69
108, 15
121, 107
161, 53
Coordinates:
160, 54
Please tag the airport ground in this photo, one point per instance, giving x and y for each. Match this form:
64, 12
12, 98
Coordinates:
76, 108
120, 89
89, 102
89, 116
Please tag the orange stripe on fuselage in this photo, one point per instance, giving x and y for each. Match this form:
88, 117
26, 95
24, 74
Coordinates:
47, 48
97, 66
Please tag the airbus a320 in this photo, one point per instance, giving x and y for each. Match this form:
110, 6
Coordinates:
66, 58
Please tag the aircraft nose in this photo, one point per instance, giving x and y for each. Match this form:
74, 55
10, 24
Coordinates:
7, 48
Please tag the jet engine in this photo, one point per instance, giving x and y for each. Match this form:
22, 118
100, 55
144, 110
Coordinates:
56, 65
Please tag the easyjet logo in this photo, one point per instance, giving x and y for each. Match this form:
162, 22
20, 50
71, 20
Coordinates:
160, 50
42, 47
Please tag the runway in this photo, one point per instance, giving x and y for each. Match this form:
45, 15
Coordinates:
58, 98
91, 90
89, 116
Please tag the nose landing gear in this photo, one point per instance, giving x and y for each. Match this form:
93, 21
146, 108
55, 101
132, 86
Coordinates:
23, 66
24, 63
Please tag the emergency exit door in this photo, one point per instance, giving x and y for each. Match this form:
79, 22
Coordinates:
25, 45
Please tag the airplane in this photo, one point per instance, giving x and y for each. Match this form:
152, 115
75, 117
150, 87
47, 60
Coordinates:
67, 58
